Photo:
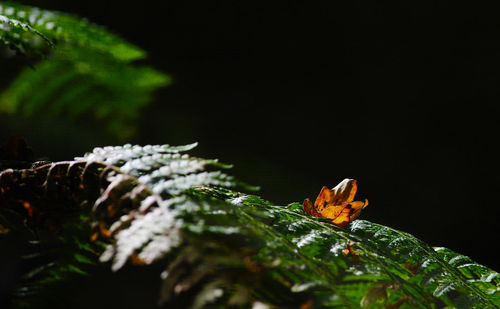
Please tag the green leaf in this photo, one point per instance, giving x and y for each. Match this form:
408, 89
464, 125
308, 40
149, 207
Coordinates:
154, 205
53, 26
88, 71
73, 82
19, 35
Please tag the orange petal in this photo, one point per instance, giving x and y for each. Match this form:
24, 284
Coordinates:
333, 212
343, 218
323, 199
344, 192
357, 207
308, 207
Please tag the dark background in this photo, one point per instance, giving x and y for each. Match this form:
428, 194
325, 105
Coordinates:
402, 97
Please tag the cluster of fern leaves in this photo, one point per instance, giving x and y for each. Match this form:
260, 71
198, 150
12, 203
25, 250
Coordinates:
84, 69
154, 205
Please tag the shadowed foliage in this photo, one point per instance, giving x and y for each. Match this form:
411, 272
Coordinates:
84, 69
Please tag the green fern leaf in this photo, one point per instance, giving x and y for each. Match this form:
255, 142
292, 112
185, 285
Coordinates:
154, 205
19, 35
77, 81
63, 28
89, 70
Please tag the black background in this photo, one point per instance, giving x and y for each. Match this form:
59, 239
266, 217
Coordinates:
402, 97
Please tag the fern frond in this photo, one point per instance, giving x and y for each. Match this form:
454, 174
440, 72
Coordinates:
219, 247
19, 35
119, 155
476, 275
63, 28
88, 71
73, 82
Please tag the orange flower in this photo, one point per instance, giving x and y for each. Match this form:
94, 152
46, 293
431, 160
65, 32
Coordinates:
337, 204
